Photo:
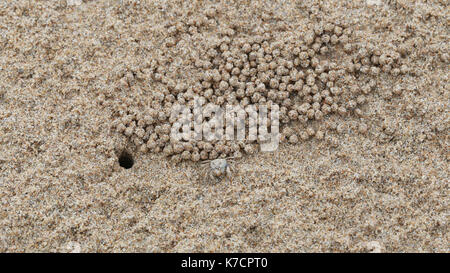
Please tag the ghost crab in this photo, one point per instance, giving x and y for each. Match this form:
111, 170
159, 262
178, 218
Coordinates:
218, 168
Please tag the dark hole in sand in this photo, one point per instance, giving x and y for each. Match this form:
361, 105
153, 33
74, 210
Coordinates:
126, 160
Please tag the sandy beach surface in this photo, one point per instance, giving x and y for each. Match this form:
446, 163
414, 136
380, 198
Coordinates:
78, 77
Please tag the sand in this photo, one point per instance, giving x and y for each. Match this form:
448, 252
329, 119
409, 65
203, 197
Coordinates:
62, 188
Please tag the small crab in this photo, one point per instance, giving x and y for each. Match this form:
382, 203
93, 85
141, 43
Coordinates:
218, 168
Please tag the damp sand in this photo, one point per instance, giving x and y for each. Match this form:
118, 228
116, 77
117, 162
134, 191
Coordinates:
62, 188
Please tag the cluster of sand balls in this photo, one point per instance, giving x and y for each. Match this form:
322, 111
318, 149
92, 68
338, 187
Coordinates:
317, 73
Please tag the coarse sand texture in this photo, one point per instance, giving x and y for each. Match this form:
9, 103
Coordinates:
88, 162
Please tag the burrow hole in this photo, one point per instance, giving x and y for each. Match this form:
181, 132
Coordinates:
126, 160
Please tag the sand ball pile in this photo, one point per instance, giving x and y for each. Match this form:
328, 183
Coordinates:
311, 73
